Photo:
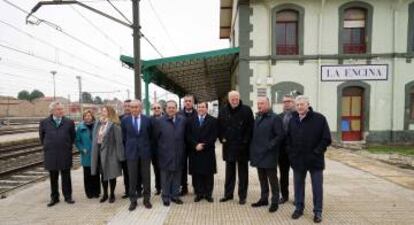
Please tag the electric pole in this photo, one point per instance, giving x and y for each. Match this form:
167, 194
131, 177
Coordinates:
80, 95
54, 84
137, 48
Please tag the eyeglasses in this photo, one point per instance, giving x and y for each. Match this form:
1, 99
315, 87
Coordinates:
154, 108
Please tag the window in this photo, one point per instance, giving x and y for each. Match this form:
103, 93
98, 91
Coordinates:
354, 33
355, 28
287, 30
287, 33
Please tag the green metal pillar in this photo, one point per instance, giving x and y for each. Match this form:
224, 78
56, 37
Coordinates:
147, 80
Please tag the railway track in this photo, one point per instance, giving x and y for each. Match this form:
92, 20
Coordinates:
18, 130
22, 164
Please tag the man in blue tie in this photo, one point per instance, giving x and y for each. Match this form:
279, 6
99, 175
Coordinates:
136, 131
201, 134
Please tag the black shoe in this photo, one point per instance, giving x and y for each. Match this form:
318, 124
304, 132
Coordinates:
197, 198
273, 208
283, 200
125, 196
225, 199
147, 204
103, 199
89, 196
112, 199
209, 199
242, 201
69, 201
260, 203
52, 202
296, 214
157, 192
132, 206
177, 201
184, 191
166, 203
317, 218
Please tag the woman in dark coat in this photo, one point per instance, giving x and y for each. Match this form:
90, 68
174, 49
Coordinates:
201, 138
83, 143
107, 151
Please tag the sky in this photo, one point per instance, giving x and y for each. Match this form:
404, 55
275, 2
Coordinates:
76, 42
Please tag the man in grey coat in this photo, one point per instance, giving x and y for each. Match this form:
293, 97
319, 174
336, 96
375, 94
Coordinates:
169, 131
264, 150
57, 135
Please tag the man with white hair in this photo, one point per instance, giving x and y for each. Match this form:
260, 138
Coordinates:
308, 137
235, 132
57, 135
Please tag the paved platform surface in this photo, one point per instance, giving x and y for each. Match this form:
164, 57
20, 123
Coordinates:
351, 196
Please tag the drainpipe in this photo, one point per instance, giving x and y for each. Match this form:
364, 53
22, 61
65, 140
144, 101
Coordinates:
394, 70
318, 81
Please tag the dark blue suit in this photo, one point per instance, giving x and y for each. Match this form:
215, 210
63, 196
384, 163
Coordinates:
170, 136
137, 140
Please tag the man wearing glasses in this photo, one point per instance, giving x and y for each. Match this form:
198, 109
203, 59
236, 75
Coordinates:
284, 163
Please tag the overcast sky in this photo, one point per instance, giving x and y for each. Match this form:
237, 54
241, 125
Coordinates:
90, 45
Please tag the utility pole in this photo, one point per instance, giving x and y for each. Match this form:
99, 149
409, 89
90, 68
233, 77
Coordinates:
135, 26
80, 95
137, 48
53, 72
127, 94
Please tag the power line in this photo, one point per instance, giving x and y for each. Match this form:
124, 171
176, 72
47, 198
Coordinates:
119, 11
60, 64
97, 29
86, 61
162, 24
59, 28
152, 45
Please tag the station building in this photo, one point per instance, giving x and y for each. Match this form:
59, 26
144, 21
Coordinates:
352, 58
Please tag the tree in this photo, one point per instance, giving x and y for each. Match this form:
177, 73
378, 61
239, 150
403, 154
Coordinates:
87, 97
23, 95
36, 94
97, 100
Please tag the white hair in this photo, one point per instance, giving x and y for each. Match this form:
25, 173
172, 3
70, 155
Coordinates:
303, 98
234, 93
53, 105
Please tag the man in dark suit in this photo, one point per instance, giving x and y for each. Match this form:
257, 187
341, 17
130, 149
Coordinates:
284, 163
137, 131
57, 135
307, 140
264, 150
235, 132
127, 112
170, 136
156, 114
189, 113
201, 138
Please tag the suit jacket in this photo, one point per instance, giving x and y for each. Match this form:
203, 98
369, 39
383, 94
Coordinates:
204, 161
57, 143
137, 145
170, 143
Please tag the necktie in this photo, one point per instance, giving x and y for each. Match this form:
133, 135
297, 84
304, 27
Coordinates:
201, 120
57, 122
136, 123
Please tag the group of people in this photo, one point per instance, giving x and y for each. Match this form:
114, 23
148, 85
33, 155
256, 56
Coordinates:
178, 143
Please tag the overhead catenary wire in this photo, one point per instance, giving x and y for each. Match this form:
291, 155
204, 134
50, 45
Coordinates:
59, 29
61, 64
